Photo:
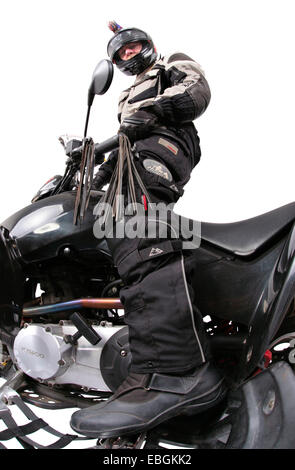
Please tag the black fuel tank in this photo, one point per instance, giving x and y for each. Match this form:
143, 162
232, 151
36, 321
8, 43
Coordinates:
43, 228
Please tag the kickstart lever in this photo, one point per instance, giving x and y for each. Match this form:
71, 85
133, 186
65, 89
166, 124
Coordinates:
83, 330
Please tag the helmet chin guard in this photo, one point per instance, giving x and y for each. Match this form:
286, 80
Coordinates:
137, 64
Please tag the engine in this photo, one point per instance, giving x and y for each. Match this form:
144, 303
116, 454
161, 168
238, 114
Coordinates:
42, 353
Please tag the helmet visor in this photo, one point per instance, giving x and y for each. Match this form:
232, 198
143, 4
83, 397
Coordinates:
129, 50
124, 37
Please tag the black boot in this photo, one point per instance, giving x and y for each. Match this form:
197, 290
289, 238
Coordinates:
145, 400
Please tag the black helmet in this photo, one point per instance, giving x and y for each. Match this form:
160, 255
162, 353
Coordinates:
137, 64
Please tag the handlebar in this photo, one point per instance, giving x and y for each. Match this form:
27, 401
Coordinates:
107, 145
99, 149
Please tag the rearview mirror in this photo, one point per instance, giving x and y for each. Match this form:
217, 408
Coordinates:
101, 79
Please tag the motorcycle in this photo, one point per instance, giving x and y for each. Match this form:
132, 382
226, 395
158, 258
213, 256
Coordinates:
64, 342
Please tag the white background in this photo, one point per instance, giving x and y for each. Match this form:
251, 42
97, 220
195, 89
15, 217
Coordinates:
246, 47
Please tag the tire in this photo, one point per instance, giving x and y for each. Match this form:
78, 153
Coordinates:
283, 344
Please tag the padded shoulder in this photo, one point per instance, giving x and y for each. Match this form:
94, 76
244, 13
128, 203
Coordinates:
178, 56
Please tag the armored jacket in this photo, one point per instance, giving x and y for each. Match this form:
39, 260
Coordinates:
175, 89
176, 84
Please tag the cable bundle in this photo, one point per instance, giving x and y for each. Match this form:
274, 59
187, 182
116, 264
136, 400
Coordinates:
113, 196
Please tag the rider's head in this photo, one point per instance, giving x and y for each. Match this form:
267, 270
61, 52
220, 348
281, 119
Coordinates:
131, 49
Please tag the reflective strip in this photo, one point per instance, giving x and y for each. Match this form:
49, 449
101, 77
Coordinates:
168, 145
191, 310
166, 223
187, 294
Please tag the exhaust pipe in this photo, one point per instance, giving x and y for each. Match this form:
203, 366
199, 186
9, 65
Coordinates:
104, 303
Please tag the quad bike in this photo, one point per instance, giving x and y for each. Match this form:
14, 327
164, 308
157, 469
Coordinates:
64, 342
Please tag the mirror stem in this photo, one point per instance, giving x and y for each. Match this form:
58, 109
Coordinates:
87, 120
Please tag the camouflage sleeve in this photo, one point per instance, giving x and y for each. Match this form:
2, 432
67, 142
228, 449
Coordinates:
187, 93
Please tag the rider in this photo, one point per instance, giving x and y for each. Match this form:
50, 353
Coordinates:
170, 372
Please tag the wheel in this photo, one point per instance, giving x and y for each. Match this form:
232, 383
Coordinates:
283, 345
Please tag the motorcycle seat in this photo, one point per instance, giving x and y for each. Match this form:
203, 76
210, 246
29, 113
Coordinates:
246, 237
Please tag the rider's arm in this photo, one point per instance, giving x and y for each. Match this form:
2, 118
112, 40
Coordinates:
187, 95
105, 171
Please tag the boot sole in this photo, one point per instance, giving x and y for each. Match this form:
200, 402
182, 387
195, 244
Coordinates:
187, 407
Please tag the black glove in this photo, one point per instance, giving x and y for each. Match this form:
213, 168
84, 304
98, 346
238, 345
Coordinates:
98, 182
74, 150
99, 157
139, 125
